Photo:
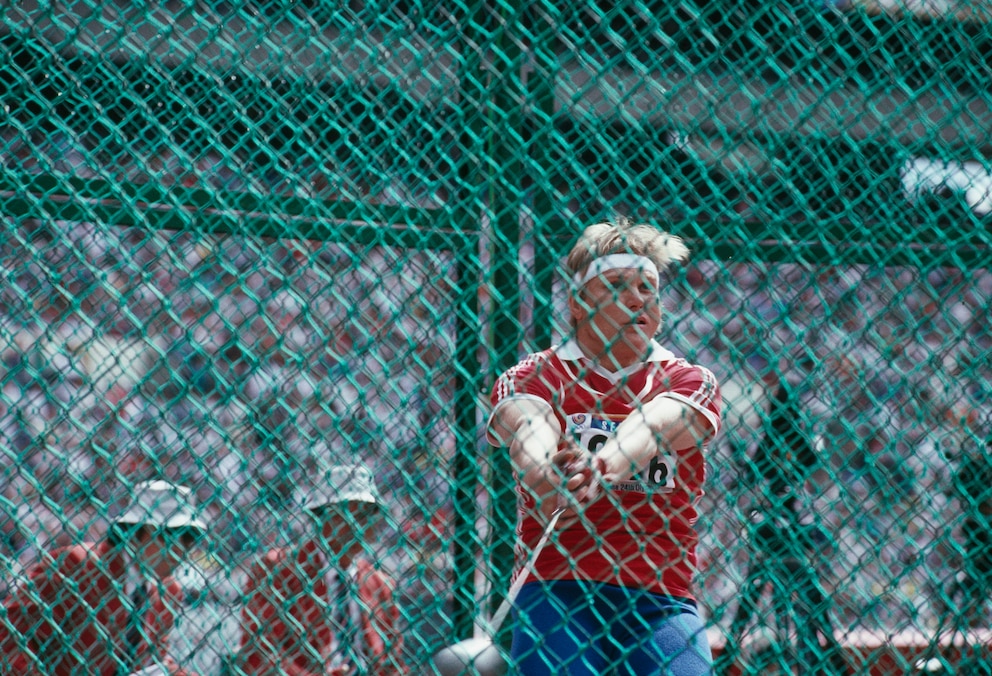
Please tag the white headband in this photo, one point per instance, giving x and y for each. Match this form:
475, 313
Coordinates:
622, 261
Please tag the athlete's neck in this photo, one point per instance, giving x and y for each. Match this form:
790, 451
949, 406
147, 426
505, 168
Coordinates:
612, 360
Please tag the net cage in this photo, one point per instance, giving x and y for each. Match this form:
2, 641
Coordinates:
247, 243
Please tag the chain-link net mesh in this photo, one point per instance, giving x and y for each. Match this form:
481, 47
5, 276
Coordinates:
247, 242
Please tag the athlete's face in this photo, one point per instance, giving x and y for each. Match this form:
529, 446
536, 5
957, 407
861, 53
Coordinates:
616, 315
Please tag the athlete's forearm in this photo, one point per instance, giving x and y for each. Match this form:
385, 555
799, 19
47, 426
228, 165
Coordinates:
532, 438
531, 452
661, 425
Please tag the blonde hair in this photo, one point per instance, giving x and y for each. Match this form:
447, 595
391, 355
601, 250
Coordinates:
624, 236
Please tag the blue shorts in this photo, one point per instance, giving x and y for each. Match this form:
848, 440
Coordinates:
593, 629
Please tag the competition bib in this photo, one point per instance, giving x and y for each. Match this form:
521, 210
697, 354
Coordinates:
591, 433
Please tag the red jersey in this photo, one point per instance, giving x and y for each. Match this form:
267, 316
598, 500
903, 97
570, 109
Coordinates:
69, 617
644, 530
287, 619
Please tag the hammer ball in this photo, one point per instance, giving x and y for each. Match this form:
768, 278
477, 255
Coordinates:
471, 657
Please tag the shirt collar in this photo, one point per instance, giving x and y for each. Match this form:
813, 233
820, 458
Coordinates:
570, 351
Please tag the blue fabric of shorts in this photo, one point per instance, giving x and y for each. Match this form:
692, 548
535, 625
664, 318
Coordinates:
596, 629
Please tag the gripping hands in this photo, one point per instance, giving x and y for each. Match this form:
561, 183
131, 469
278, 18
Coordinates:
581, 475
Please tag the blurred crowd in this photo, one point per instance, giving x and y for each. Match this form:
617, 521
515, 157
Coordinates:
243, 370
239, 366
245, 367
891, 367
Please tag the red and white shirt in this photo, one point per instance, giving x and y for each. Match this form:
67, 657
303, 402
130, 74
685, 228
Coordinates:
70, 616
289, 619
644, 533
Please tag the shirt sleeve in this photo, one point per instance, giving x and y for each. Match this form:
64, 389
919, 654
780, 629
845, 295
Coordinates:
526, 380
695, 386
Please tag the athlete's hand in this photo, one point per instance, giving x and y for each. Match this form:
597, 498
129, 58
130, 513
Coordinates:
581, 474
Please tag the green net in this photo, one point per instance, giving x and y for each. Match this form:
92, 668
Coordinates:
247, 242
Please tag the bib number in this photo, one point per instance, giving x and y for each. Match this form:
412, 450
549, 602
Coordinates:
591, 433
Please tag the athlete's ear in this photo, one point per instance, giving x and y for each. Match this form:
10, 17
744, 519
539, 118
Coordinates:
578, 306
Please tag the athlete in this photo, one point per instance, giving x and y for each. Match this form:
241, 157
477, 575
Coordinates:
612, 426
